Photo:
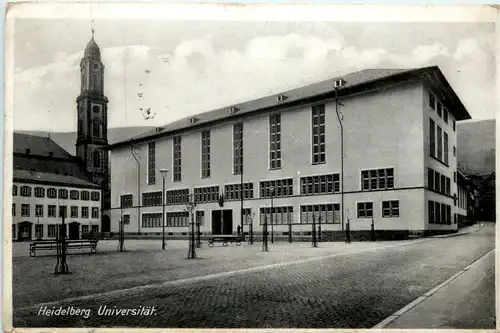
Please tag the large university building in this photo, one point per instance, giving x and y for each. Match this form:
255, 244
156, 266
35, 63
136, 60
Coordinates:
388, 157
47, 178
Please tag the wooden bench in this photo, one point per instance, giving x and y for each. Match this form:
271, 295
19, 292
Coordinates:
70, 244
225, 240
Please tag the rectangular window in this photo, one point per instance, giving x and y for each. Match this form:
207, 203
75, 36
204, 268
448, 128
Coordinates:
25, 191
454, 176
94, 196
151, 163
430, 178
454, 125
126, 201
206, 194
282, 188
95, 228
74, 211
14, 192
390, 208
85, 195
323, 184
432, 132
85, 229
152, 199
278, 215
200, 217
95, 212
14, 210
324, 213
437, 216
63, 194
439, 143
39, 231
318, 134
233, 191
63, 211
177, 157
431, 211
38, 210
454, 151
275, 141
51, 230
74, 195
437, 181
443, 184
177, 197
445, 115
448, 214
381, 179
51, 193
446, 159
432, 101
205, 154
51, 211
177, 219
247, 216
365, 209
25, 210
39, 192
238, 148
448, 186
85, 212
440, 109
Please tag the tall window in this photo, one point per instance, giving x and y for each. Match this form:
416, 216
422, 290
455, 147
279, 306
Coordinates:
238, 148
432, 101
39, 210
430, 178
275, 141
51, 193
96, 129
63, 211
381, 179
85, 212
440, 109
14, 190
95, 212
94, 196
39, 192
445, 147
445, 115
205, 154
25, 191
51, 211
96, 159
318, 134
432, 132
200, 217
25, 210
13, 209
151, 163
85, 195
74, 211
63, 193
365, 209
177, 157
439, 143
74, 195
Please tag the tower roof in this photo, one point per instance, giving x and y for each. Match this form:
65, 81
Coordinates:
92, 50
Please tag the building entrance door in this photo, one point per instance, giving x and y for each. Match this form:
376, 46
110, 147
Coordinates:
222, 222
74, 230
24, 232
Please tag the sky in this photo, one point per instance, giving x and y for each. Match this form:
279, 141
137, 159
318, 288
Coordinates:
197, 66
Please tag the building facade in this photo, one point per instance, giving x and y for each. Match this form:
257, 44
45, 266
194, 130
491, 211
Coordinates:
394, 127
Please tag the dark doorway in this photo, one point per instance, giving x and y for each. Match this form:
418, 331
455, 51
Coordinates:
24, 231
222, 222
106, 224
74, 230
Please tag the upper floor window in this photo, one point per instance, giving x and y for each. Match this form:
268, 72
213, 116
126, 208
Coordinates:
151, 163
432, 133
39, 192
276, 188
233, 191
205, 154
206, 194
39, 210
25, 191
275, 141
445, 115
14, 190
152, 199
126, 200
63, 194
440, 109
85, 195
318, 134
94, 196
97, 159
177, 157
51, 193
238, 148
25, 210
445, 146
390, 208
177, 197
432, 101
365, 209
439, 143
380, 179
74, 195
96, 129
320, 184
454, 125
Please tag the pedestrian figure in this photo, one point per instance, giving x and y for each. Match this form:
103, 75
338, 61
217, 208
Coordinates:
239, 230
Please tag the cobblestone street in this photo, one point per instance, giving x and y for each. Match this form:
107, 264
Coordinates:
355, 290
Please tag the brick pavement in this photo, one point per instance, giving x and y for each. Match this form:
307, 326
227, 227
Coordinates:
347, 291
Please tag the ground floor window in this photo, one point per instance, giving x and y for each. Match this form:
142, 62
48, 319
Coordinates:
95, 228
178, 219
151, 220
51, 230
200, 217
85, 229
439, 213
365, 209
280, 215
247, 216
325, 213
39, 230
390, 208
95, 212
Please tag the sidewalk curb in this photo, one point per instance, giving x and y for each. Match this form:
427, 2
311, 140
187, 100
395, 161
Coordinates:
389, 320
458, 233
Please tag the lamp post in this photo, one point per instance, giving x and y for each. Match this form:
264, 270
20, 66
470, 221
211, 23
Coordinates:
192, 247
61, 265
339, 83
319, 228
251, 227
241, 179
314, 240
289, 228
163, 173
136, 158
265, 246
272, 213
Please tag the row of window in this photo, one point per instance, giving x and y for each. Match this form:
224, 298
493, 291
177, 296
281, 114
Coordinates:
442, 112
462, 198
51, 230
174, 219
439, 213
233, 191
439, 144
389, 209
52, 193
381, 179
438, 182
318, 148
51, 211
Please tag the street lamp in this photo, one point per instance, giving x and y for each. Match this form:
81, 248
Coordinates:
337, 84
272, 213
190, 206
163, 173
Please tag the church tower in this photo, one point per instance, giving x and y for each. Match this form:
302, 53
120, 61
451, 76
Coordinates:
92, 115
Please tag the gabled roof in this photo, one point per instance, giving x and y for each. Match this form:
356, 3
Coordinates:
355, 83
38, 146
27, 176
